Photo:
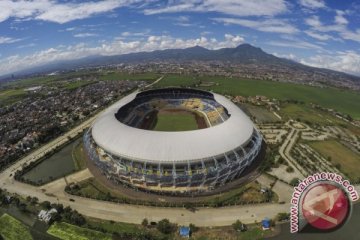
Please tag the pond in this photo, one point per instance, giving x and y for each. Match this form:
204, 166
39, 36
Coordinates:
57, 165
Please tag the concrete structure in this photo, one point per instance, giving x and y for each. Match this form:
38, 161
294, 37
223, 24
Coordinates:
175, 162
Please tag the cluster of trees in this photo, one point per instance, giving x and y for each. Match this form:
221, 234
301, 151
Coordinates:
283, 216
6, 199
164, 226
269, 161
239, 226
66, 214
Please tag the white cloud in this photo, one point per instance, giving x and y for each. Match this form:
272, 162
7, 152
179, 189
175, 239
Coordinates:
295, 44
70, 29
233, 7
348, 61
340, 27
83, 35
29, 45
289, 56
118, 46
320, 36
6, 40
340, 19
312, 4
267, 25
313, 21
55, 11
144, 33
351, 35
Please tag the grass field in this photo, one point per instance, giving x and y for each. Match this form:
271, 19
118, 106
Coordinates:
261, 114
12, 229
77, 84
254, 232
175, 122
110, 226
349, 161
306, 114
125, 76
345, 101
342, 100
177, 80
67, 231
11, 96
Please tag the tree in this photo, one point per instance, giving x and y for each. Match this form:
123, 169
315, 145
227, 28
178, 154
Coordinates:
59, 207
46, 205
145, 222
283, 216
34, 200
290, 169
294, 182
281, 160
237, 225
193, 228
77, 219
165, 226
338, 166
22, 207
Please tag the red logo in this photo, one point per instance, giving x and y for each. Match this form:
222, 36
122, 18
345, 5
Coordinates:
325, 206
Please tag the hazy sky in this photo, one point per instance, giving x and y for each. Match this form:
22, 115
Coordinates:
315, 32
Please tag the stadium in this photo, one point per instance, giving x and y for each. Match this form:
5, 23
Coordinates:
172, 140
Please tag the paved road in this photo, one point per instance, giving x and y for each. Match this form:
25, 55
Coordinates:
285, 149
54, 192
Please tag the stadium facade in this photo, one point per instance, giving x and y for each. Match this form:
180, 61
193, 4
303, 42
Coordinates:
126, 152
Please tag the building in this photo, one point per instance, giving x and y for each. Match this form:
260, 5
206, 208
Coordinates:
184, 232
124, 149
266, 224
46, 215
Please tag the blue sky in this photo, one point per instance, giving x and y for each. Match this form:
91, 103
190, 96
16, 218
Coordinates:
315, 32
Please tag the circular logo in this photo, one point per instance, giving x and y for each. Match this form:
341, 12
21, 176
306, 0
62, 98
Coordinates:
325, 206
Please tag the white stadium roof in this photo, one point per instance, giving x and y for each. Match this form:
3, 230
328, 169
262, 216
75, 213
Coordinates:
157, 146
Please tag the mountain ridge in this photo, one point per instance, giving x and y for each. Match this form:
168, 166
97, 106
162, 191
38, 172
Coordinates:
244, 55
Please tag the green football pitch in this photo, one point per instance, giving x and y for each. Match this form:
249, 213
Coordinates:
175, 122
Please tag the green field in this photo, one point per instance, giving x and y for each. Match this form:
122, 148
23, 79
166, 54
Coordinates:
111, 227
77, 84
125, 76
339, 154
345, 101
307, 114
260, 114
67, 231
175, 122
177, 80
12, 229
11, 96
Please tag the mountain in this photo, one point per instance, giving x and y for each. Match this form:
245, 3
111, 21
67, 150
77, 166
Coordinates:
247, 59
